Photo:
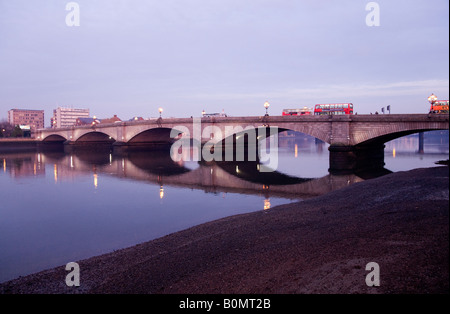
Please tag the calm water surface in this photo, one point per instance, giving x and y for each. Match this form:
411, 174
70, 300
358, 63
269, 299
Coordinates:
57, 208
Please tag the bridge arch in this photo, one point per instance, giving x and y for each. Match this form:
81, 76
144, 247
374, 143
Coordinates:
322, 133
95, 137
237, 132
383, 136
54, 138
153, 135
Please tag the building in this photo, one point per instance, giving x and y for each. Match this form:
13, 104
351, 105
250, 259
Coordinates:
24, 117
87, 121
94, 120
67, 117
114, 119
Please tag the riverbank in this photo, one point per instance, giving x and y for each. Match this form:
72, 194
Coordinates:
321, 245
8, 145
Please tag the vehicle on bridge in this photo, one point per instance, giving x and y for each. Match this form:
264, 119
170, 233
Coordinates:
222, 114
333, 109
297, 112
439, 106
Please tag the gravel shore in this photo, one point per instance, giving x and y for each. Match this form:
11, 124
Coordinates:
321, 245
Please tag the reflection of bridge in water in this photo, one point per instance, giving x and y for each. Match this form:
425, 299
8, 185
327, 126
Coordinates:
213, 177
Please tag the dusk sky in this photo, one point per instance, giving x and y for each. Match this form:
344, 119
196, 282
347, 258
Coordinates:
129, 57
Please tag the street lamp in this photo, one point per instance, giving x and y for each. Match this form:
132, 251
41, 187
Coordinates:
432, 99
160, 111
266, 105
203, 112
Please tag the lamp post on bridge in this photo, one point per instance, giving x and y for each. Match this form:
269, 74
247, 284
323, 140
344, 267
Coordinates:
432, 99
160, 111
266, 105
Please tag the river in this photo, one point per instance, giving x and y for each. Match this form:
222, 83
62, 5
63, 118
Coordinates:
58, 207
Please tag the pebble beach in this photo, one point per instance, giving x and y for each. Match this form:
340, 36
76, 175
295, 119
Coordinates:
317, 246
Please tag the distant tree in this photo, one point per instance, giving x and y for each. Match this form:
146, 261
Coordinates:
17, 132
5, 129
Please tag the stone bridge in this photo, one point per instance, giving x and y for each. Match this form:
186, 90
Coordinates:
356, 141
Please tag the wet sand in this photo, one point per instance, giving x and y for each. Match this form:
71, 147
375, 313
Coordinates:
321, 245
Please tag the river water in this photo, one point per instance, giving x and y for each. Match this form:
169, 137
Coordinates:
58, 207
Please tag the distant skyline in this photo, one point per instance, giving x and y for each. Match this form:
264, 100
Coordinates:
128, 58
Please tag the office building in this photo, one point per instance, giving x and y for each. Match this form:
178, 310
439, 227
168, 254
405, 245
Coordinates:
67, 117
24, 117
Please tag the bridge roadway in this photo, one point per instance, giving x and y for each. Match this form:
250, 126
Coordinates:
356, 141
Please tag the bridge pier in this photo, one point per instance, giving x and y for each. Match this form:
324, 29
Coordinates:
356, 158
421, 141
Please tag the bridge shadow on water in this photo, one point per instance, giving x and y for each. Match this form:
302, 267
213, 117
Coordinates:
250, 171
157, 162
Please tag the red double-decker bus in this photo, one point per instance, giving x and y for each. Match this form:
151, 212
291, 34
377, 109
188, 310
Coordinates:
439, 106
333, 109
297, 112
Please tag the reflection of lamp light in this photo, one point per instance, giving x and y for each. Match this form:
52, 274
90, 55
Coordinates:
55, 172
296, 150
95, 180
393, 152
266, 204
161, 189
